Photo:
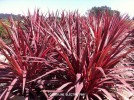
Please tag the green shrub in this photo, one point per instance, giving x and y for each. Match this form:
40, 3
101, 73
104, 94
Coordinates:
3, 33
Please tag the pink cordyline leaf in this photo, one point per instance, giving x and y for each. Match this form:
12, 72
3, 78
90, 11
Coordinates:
26, 98
67, 60
108, 95
71, 88
60, 88
126, 84
10, 88
44, 91
78, 88
123, 96
11, 59
24, 80
3, 94
97, 96
47, 73
102, 71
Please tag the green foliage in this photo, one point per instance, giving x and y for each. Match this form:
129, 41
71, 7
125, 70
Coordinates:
6, 16
3, 33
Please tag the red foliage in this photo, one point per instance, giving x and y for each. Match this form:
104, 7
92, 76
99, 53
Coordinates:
71, 55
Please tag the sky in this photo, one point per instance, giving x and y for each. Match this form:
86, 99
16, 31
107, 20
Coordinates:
22, 6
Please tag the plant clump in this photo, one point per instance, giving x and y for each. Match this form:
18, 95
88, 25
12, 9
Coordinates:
68, 57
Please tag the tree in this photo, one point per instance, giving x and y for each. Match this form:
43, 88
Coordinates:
102, 9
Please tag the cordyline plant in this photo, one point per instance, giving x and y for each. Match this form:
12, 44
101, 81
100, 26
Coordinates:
67, 58
25, 55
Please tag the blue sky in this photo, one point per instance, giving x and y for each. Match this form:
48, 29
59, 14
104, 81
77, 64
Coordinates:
22, 6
